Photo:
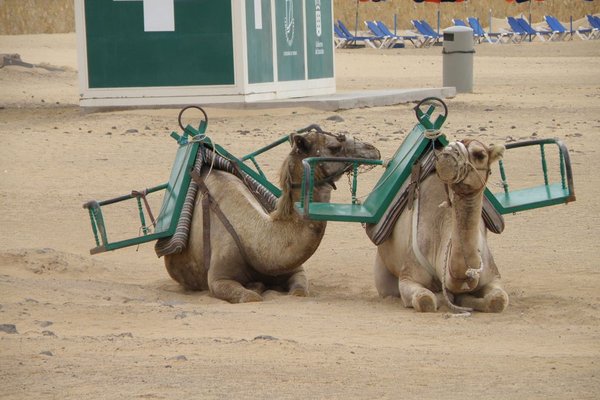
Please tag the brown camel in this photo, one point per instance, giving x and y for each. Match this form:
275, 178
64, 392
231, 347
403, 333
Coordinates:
274, 245
450, 254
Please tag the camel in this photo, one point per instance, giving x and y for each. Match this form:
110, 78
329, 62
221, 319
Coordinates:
275, 245
451, 260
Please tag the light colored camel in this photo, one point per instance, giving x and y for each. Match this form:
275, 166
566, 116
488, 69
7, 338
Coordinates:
451, 251
275, 244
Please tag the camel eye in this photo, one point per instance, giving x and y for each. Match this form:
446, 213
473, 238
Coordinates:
335, 149
479, 155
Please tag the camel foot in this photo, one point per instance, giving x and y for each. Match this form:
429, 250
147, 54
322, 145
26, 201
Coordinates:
424, 301
496, 301
299, 291
250, 297
233, 292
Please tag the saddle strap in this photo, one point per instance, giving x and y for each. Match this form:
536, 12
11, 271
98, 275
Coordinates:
209, 203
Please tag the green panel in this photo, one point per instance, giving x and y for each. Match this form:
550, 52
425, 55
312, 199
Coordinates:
120, 54
177, 187
260, 43
290, 40
319, 39
531, 198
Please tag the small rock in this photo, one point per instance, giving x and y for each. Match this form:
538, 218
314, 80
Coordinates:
482, 129
44, 324
335, 118
114, 127
48, 333
47, 353
513, 127
147, 128
265, 337
131, 131
108, 133
8, 328
179, 358
125, 334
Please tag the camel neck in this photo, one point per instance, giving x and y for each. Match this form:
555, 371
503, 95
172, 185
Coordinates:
465, 235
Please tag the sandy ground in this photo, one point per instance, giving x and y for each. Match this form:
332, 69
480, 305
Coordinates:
115, 326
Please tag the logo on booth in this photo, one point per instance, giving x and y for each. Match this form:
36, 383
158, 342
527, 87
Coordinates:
289, 22
318, 17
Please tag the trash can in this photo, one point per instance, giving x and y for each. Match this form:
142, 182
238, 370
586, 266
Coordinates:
458, 58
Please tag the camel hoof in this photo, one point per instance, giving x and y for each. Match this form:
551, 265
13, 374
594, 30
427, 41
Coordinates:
298, 291
424, 302
497, 301
250, 297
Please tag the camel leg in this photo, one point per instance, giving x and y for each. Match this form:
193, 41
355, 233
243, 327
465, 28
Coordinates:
415, 295
222, 283
232, 291
385, 282
298, 284
491, 298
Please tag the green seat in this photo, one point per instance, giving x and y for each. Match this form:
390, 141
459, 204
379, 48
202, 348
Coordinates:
174, 196
397, 171
548, 194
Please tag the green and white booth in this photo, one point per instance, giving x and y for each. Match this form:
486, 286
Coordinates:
173, 52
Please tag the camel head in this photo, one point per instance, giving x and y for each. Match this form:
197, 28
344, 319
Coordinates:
325, 144
466, 165
317, 143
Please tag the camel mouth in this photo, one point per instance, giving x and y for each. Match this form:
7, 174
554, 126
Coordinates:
447, 167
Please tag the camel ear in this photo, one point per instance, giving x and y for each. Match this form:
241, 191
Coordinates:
301, 144
496, 152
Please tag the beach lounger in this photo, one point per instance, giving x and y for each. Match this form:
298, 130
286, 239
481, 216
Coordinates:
558, 29
429, 36
414, 39
340, 40
477, 35
519, 33
542, 34
373, 41
595, 26
491, 37
388, 41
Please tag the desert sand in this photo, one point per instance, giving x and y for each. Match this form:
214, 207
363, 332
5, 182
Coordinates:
115, 326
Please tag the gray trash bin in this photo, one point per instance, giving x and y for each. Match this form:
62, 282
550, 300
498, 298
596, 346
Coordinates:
458, 58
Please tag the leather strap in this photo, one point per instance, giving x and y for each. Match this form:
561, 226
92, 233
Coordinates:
209, 203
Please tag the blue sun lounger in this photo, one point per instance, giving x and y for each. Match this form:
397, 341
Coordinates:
414, 39
491, 37
373, 41
542, 34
